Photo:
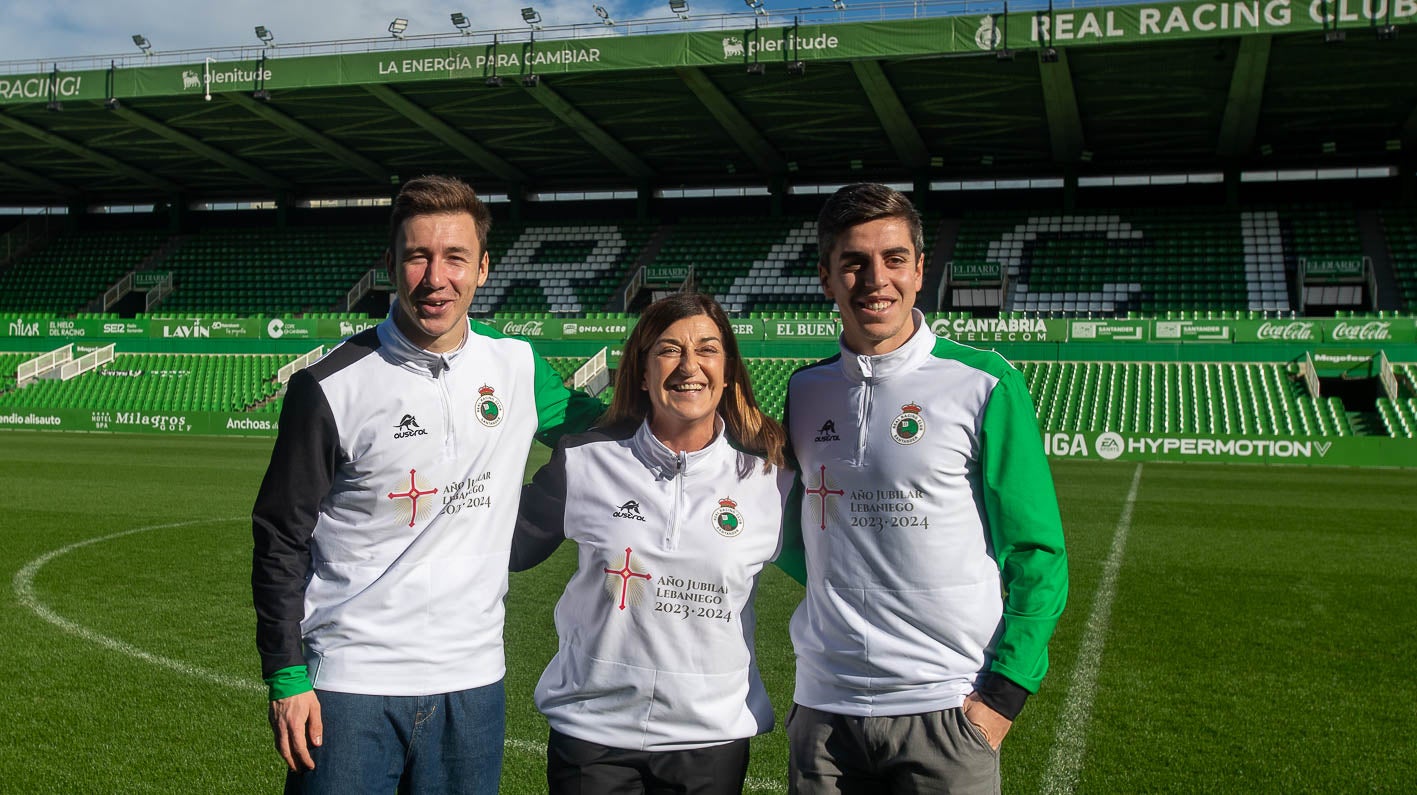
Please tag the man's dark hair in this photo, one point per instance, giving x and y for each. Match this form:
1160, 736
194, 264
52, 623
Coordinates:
437, 195
861, 203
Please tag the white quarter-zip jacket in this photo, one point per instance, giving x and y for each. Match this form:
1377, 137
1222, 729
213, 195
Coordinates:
384, 523
656, 625
923, 497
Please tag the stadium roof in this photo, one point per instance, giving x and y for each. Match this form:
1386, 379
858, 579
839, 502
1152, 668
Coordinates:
1149, 88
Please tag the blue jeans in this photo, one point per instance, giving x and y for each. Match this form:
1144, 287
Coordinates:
450, 742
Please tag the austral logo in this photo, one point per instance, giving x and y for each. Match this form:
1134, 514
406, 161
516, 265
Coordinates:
909, 426
408, 426
630, 510
726, 519
488, 408
827, 433
410, 508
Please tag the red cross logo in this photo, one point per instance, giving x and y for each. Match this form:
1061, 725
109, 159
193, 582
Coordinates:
625, 573
412, 494
822, 491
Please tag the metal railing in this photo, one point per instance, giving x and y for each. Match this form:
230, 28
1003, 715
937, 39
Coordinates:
89, 361
593, 376
38, 366
283, 374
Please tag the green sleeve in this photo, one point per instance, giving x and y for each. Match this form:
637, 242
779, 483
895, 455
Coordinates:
793, 556
1026, 530
560, 410
289, 682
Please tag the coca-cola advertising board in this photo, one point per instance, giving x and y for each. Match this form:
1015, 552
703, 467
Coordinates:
1299, 331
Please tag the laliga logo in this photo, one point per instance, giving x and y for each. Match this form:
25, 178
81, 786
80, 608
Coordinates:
987, 37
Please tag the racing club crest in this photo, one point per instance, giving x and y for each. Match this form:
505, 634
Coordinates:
909, 426
726, 520
488, 408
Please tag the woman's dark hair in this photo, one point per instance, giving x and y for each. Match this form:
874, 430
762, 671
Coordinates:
748, 428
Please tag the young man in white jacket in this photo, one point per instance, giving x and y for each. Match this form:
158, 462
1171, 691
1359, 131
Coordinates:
934, 559
384, 524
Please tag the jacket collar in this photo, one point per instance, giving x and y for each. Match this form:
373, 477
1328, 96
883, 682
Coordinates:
410, 356
916, 351
666, 463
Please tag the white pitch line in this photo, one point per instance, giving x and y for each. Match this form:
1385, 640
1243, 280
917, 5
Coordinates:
1066, 761
23, 584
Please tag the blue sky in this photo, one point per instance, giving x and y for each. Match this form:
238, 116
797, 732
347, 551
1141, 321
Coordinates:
47, 29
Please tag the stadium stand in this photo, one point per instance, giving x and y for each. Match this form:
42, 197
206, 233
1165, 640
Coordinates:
73, 270
270, 271
567, 269
1180, 398
159, 382
1400, 228
1108, 263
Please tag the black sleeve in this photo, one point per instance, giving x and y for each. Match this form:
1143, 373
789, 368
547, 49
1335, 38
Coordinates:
299, 477
541, 520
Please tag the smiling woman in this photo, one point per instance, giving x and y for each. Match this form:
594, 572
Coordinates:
675, 506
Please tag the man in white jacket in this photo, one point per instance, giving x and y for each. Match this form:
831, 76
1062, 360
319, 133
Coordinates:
925, 510
383, 526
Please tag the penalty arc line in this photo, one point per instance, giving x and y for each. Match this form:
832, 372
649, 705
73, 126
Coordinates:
23, 586
1066, 762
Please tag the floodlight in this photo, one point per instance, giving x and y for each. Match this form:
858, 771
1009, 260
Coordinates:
111, 103
1334, 36
494, 82
680, 8
839, 5
397, 27
604, 15
756, 6
1048, 55
1387, 32
796, 68
531, 81
461, 22
264, 34
756, 68
143, 44
261, 94
55, 105
531, 17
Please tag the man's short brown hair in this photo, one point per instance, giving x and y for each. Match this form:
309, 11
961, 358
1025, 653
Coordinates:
862, 203
438, 195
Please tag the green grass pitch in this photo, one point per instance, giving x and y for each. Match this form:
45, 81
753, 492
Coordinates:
1256, 632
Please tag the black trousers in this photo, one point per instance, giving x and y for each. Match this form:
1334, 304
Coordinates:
578, 767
